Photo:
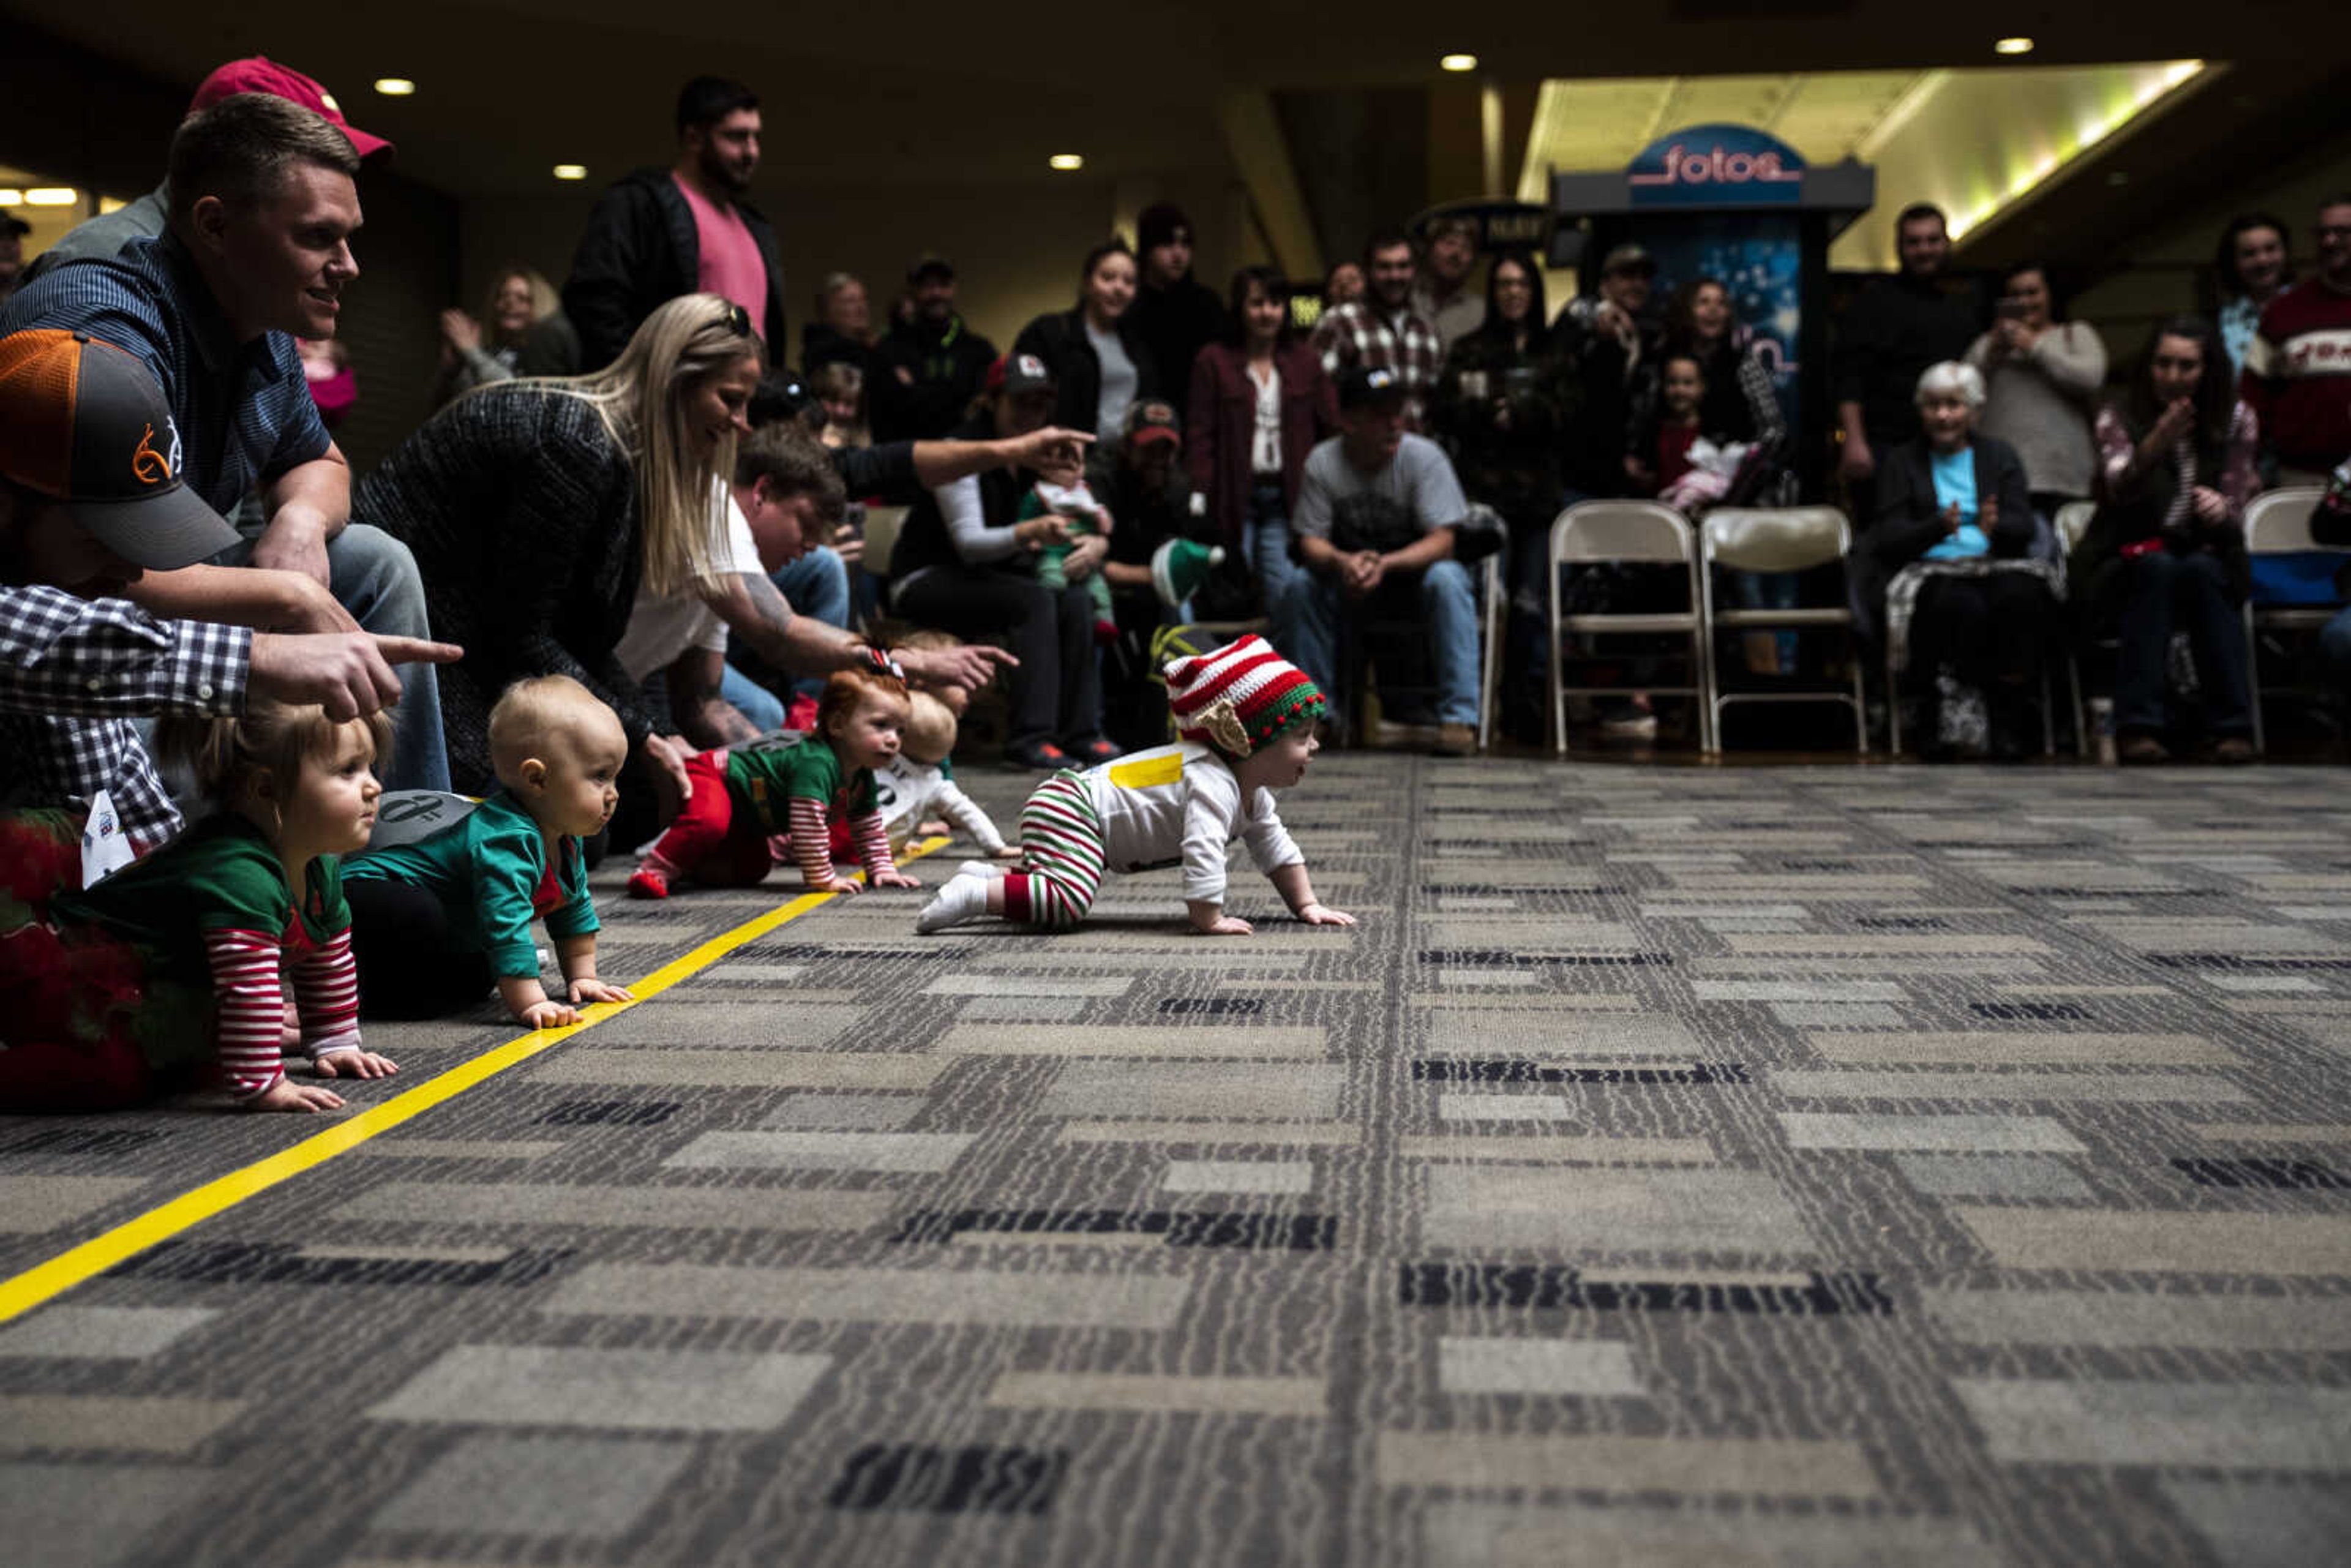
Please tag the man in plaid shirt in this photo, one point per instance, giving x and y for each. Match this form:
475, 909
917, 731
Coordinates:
92, 498
1382, 331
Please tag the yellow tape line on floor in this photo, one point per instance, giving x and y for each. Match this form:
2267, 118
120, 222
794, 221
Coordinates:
44, 1281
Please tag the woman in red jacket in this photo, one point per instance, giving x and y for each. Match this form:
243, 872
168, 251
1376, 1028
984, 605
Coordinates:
1260, 403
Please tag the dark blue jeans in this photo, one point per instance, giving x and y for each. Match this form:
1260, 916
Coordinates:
2160, 593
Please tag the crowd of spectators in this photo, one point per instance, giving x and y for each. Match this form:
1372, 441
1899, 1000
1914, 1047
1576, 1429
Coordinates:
629, 484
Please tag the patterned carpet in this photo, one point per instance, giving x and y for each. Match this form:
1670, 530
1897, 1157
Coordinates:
1800, 1166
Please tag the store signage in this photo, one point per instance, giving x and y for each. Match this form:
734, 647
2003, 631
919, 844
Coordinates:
1716, 165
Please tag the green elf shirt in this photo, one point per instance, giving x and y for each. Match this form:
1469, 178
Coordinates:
763, 781
490, 871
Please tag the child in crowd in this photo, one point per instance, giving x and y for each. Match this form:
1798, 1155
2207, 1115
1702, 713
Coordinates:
1247, 722
1076, 506
168, 974
749, 809
1663, 461
917, 785
438, 921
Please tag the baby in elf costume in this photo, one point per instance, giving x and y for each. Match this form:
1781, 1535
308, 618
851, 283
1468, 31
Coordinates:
1247, 720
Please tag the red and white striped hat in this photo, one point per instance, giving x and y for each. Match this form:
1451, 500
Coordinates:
1240, 696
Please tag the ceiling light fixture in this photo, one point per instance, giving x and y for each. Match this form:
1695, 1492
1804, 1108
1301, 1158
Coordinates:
2013, 46
572, 170
52, 196
1458, 63
12, 197
394, 87
1066, 161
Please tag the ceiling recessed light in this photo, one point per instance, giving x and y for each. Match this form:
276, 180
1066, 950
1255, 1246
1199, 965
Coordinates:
394, 87
2013, 46
52, 196
1459, 63
1065, 161
572, 170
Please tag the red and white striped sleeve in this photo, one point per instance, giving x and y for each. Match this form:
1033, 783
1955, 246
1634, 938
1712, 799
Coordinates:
327, 995
871, 837
252, 1009
812, 841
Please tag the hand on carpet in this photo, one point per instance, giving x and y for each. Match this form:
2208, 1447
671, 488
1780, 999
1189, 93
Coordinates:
1224, 925
356, 1062
548, 1015
892, 879
1323, 915
287, 1096
589, 989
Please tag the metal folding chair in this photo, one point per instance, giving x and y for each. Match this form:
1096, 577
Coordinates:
1790, 538
2278, 523
2072, 522
1592, 533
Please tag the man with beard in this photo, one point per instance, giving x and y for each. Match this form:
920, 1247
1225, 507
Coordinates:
1382, 331
660, 233
926, 370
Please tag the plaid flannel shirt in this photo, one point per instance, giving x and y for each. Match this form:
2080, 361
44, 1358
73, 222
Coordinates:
1355, 334
73, 674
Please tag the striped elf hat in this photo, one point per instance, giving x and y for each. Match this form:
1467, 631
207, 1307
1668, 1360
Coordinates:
1240, 696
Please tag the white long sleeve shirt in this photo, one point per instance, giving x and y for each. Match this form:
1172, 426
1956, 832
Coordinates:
907, 791
1181, 805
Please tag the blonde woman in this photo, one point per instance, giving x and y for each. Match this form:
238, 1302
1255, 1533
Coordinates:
537, 507
520, 331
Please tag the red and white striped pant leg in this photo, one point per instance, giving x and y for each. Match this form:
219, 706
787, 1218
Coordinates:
1062, 851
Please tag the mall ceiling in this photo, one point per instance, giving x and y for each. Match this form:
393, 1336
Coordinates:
915, 93
911, 91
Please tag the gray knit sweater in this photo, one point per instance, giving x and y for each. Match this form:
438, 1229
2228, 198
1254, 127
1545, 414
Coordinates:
2040, 402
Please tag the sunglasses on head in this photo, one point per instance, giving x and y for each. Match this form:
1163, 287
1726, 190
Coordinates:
738, 320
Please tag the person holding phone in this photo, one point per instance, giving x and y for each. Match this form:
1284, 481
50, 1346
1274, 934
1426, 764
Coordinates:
2041, 376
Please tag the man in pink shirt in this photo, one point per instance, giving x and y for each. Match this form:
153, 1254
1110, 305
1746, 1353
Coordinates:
660, 233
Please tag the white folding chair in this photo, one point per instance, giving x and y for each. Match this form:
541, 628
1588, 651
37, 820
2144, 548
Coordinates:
1788, 538
2278, 523
1489, 652
2072, 522
1592, 533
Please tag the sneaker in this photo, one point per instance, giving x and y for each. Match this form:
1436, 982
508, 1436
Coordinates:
965, 897
1635, 724
2233, 749
1095, 752
647, 883
2138, 751
1455, 740
1037, 756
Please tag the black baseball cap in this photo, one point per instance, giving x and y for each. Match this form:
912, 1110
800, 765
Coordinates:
1018, 373
930, 266
1370, 386
1153, 419
11, 224
82, 423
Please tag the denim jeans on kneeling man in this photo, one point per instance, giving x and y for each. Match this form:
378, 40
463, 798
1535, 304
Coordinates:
1307, 620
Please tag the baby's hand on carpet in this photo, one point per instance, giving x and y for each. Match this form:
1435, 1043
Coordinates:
838, 884
589, 989
1224, 926
933, 829
548, 1015
1008, 852
287, 1096
892, 879
355, 1063
1323, 915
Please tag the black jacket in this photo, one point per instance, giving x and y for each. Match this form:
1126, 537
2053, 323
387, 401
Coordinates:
1060, 341
640, 251
1174, 324
923, 378
1909, 523
1891, 332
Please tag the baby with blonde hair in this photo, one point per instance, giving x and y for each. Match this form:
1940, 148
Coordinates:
438, 921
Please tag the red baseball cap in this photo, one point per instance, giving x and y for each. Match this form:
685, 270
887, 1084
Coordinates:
261, 74
82, 423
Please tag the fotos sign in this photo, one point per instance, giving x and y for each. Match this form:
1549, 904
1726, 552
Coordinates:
1716, 165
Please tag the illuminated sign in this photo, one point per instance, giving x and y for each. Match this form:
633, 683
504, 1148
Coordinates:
1716, 165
